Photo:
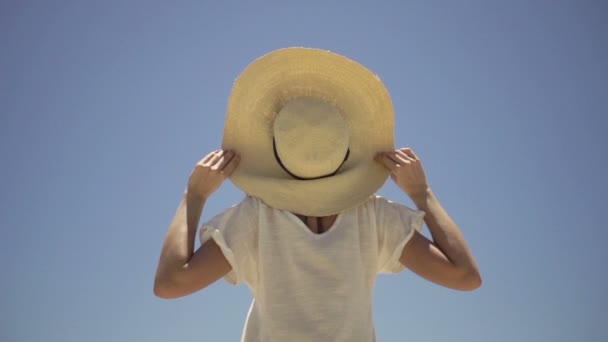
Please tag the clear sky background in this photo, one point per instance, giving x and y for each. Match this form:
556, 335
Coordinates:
107, 105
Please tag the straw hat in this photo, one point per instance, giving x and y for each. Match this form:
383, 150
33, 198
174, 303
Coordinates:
307, 124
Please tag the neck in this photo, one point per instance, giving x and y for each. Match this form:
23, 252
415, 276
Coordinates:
318, 224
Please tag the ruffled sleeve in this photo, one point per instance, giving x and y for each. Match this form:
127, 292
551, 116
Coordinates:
395, 224
235, 232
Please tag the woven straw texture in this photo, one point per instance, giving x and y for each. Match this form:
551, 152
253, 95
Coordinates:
273, 80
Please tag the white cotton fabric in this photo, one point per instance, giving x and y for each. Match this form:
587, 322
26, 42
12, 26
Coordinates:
307, 286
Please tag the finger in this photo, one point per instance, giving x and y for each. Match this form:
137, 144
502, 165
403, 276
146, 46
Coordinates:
207, 157
387, 162
399, 160
404, 156
219, 163
231, 166
222, 162
392, 156
410, 153
217, 156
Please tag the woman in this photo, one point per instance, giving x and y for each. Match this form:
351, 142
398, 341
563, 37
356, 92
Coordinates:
309, 139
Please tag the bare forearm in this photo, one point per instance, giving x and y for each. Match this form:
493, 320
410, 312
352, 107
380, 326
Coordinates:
178, 245
444, 231
180, 270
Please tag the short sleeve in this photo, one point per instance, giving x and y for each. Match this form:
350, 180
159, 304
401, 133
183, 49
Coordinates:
235, 232
395, 224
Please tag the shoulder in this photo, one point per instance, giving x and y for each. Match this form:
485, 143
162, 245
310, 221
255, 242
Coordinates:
240, 217
381, 203
247, 206
377, 203
384, 211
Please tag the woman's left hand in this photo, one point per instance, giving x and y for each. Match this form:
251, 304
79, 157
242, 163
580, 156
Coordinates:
406, 170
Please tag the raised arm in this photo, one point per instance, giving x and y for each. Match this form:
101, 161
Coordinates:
447, 260
180, 271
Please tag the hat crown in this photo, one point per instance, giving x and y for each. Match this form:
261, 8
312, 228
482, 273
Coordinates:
311, 137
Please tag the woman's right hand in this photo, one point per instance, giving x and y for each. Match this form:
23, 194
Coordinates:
210, 172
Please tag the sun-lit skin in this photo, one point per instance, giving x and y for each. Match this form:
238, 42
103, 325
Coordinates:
446, 260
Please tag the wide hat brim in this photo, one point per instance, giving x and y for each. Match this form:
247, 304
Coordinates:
274, 79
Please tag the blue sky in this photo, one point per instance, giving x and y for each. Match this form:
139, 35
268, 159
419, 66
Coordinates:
106, 106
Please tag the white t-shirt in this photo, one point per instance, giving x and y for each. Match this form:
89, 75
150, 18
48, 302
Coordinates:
307, 286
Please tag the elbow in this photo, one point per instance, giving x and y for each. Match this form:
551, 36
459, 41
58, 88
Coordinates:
470, 281
165, 288
162, 292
